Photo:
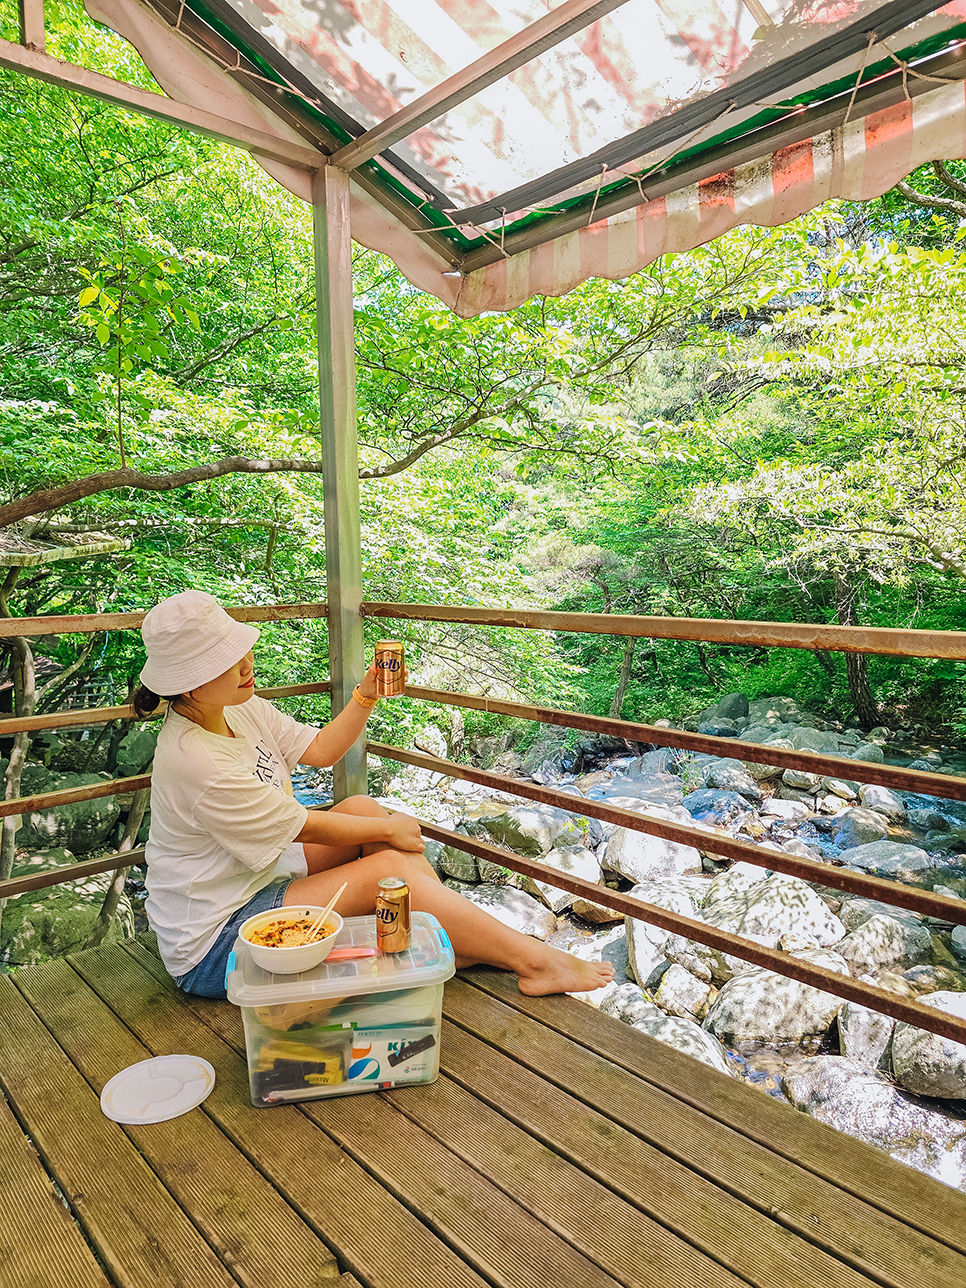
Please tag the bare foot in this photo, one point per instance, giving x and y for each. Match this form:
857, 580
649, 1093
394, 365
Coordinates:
554, 971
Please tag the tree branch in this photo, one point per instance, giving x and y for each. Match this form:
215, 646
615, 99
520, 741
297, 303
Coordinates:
933, 203
446, 435
46, 499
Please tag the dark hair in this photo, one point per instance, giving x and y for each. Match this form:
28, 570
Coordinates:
144, 700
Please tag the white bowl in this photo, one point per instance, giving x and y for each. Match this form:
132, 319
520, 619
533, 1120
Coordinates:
301, 957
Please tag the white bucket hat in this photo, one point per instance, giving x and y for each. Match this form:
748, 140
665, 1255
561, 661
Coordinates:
190, 640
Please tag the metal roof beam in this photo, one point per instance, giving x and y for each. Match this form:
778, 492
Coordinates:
541, 35
73, 77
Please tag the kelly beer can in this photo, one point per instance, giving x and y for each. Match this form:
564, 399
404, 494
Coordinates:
391, 668
393, 919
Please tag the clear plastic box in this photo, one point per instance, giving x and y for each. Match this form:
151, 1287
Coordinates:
361, 1024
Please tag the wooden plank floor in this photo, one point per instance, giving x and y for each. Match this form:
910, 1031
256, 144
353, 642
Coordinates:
558, 1146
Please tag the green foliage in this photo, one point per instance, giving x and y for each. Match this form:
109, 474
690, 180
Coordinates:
736, 432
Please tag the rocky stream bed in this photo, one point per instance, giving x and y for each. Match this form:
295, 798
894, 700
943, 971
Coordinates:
892, 1085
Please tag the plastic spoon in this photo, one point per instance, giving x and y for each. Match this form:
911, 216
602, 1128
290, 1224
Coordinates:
325, 912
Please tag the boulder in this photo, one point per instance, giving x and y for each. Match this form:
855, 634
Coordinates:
775, 807
930, 978
514, 908
886, 858
882, 801
457, 864
679, 993
869, 752
717, 807
532, 829
628, 1003
888, 942
80, 827
859, 827
717, 729
864, 1035
928, 820
575, 860
959, 942
57, 920
731, 776
802, 849
769, 911
686, 1036
777, 708
865, 1104
805, 739
646, 943
733, 704
927, 1064
799, 778
856, 911
843, 788
136, 751
760, 1006
641, 857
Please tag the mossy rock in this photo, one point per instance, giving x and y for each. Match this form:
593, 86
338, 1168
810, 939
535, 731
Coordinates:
56, 921
80, 827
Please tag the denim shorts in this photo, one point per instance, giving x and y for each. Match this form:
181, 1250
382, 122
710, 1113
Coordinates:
207, 979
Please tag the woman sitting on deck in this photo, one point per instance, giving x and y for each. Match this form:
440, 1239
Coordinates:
229, 840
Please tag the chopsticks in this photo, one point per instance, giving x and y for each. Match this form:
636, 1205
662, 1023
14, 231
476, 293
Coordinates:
325, 912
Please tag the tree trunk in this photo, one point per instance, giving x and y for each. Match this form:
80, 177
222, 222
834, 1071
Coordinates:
25, 698
135, 817
856, 667
623, 679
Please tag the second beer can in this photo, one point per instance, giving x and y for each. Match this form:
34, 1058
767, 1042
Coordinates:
391, 668
393, 916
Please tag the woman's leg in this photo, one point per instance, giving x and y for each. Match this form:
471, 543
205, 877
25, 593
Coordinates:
476, 936
321, 858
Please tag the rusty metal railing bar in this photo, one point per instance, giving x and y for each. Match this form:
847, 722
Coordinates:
843, 986
711, 630
84, 623
933, 905
101, 715
71, 795
910, 780
895, 642
74, 872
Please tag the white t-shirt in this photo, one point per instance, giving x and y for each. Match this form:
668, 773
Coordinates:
223, 819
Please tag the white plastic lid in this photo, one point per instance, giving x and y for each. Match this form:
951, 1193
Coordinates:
152, 1091
428, 960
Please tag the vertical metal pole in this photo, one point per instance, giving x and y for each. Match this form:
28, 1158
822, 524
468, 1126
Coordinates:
340, 453
32, 34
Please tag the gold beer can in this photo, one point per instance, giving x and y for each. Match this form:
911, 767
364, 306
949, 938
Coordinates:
391, 668
393, 917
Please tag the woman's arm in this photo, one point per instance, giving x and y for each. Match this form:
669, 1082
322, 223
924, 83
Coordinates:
397, 832
332, 742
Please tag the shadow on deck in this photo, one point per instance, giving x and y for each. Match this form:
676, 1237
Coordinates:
558, 1147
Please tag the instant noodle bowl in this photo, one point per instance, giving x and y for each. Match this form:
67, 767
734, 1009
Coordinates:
275, 938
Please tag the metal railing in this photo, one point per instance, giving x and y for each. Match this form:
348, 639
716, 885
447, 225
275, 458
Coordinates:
898, 643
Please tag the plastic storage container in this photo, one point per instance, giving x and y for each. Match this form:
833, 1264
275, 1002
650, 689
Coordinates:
346, 1026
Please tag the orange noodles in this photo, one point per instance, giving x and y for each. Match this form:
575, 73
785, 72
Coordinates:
287, 932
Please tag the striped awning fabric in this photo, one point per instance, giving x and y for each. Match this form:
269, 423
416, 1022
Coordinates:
653, 127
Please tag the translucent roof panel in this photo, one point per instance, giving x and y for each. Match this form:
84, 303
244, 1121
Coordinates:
563, 120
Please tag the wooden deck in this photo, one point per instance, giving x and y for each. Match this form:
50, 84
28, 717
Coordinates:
558, 1147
